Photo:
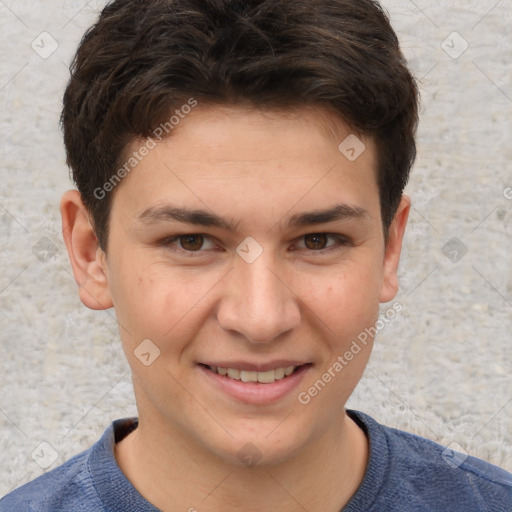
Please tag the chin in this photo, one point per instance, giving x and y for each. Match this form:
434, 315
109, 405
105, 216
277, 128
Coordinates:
263, 449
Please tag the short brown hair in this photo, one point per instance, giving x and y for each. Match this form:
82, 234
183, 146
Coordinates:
142, 60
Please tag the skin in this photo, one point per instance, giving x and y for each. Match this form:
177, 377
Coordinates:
297, 300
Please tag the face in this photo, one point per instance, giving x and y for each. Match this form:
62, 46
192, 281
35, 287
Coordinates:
281, 270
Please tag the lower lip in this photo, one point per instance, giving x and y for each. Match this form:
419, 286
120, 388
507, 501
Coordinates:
256, 392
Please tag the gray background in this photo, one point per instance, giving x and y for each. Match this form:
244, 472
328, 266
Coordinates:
442, 369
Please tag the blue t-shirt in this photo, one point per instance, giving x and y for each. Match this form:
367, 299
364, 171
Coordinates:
405, 473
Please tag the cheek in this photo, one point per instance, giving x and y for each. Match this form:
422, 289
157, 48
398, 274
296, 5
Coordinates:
162, 304
349, 308
349, 299
144, 303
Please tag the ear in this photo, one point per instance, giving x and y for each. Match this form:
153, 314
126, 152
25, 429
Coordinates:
389, 287
87, 258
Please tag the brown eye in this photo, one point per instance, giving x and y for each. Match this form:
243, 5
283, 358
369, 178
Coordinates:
188, 245
191, 242
315, 241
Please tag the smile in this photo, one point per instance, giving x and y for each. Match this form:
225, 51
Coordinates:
266, 377
255, 384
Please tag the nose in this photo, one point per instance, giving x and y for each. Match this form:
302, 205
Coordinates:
258, 303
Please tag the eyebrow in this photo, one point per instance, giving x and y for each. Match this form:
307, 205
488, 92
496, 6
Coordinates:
337, 212
205, 218
190, 216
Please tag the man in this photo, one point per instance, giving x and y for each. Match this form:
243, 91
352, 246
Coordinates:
240, 170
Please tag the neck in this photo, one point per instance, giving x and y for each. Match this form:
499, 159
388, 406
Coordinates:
173, 473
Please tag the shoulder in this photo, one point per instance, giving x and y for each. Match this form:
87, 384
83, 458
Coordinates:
424, 475
65, 487
449, 475
75, 485
415, 452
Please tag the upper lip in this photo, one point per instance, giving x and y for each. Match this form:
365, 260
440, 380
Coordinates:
255, 367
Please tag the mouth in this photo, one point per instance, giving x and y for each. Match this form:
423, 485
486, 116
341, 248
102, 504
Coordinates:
262, 377
256, 385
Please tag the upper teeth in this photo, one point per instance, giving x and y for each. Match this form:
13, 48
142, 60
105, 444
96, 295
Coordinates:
249, 376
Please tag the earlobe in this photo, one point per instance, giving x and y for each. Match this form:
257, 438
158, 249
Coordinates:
393, 250
86, 257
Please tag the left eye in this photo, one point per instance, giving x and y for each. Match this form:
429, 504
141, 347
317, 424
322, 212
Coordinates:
314, 240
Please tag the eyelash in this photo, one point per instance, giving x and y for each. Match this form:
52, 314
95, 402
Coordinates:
342, 242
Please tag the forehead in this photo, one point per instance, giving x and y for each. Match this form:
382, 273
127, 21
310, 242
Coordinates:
235, 156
